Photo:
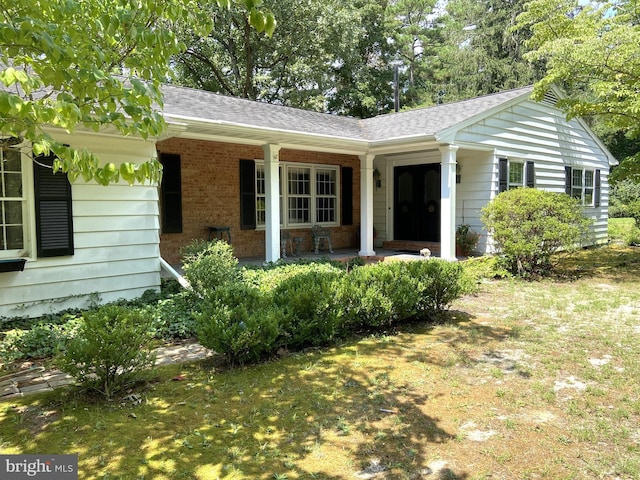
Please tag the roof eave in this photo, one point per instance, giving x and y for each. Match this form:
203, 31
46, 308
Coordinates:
403, 144
252, 135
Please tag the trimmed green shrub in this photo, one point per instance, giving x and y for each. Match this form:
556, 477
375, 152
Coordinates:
528, 226
111, 350
239, 322
362, 299
438, 283
305, 295
378, 295
208, 265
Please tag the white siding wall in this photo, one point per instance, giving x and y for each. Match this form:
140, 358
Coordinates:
531, 131
477, 175
380, 201
116, 243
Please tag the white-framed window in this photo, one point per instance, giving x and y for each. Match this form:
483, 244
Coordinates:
298, 195
308, 194
516, 175
36, 217
13, 204
261, 195
326, 195
582, 185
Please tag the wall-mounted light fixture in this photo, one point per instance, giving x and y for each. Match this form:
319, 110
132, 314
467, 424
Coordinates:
458, 173
376, 178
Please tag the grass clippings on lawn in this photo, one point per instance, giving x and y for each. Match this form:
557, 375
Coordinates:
525, 380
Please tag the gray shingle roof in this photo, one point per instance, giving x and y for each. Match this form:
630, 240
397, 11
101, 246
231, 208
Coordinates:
434, 119
188, 103
200, 105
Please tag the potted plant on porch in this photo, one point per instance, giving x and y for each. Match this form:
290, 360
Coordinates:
466, 240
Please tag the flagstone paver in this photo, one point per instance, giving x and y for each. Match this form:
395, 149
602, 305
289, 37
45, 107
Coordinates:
34, 379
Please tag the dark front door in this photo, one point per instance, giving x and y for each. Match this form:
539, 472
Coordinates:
417, 203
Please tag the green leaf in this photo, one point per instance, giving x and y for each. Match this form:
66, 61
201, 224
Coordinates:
8, 76
256, 19
270, 24
128, 172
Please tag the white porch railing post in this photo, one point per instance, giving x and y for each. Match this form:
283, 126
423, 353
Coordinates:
448, 202
366, 206
272, 204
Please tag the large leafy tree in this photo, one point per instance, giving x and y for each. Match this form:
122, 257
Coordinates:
482, 53
416, 37
592, 51
237, 60
325, 55
93, 65
362, 78
289, 68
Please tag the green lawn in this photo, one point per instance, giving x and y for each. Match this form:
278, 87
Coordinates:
525, 380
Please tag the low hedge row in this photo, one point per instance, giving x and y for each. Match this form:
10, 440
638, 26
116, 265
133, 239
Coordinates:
247, 315
250, 313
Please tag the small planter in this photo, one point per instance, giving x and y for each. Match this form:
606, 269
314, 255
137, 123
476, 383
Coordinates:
466, 240
12, 265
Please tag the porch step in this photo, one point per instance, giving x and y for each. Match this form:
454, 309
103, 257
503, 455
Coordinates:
411, 245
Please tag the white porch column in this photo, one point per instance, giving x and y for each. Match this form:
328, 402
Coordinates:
448, 202
272, 193
366, 206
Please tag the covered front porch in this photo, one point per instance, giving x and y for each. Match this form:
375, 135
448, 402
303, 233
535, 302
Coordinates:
440, 218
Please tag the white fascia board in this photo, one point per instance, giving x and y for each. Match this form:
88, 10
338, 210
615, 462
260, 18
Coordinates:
249, 135
403, 144
173, 129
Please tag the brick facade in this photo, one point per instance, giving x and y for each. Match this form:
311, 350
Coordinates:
211, 194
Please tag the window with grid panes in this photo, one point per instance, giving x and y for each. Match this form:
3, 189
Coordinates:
576, 183
326, 195
516, 175
261, 198
585, 185
588, 187
298, 195
261, 195
11, 201
310, 194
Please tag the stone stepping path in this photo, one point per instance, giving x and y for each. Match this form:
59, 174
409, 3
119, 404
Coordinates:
35, 379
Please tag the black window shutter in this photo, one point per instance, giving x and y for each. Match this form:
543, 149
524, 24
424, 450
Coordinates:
596, 193
503, 175
531, 174
347, 195
567, 180
171, 193
247, 195
54, 215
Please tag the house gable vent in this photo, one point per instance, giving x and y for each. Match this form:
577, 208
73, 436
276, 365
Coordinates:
550, 98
